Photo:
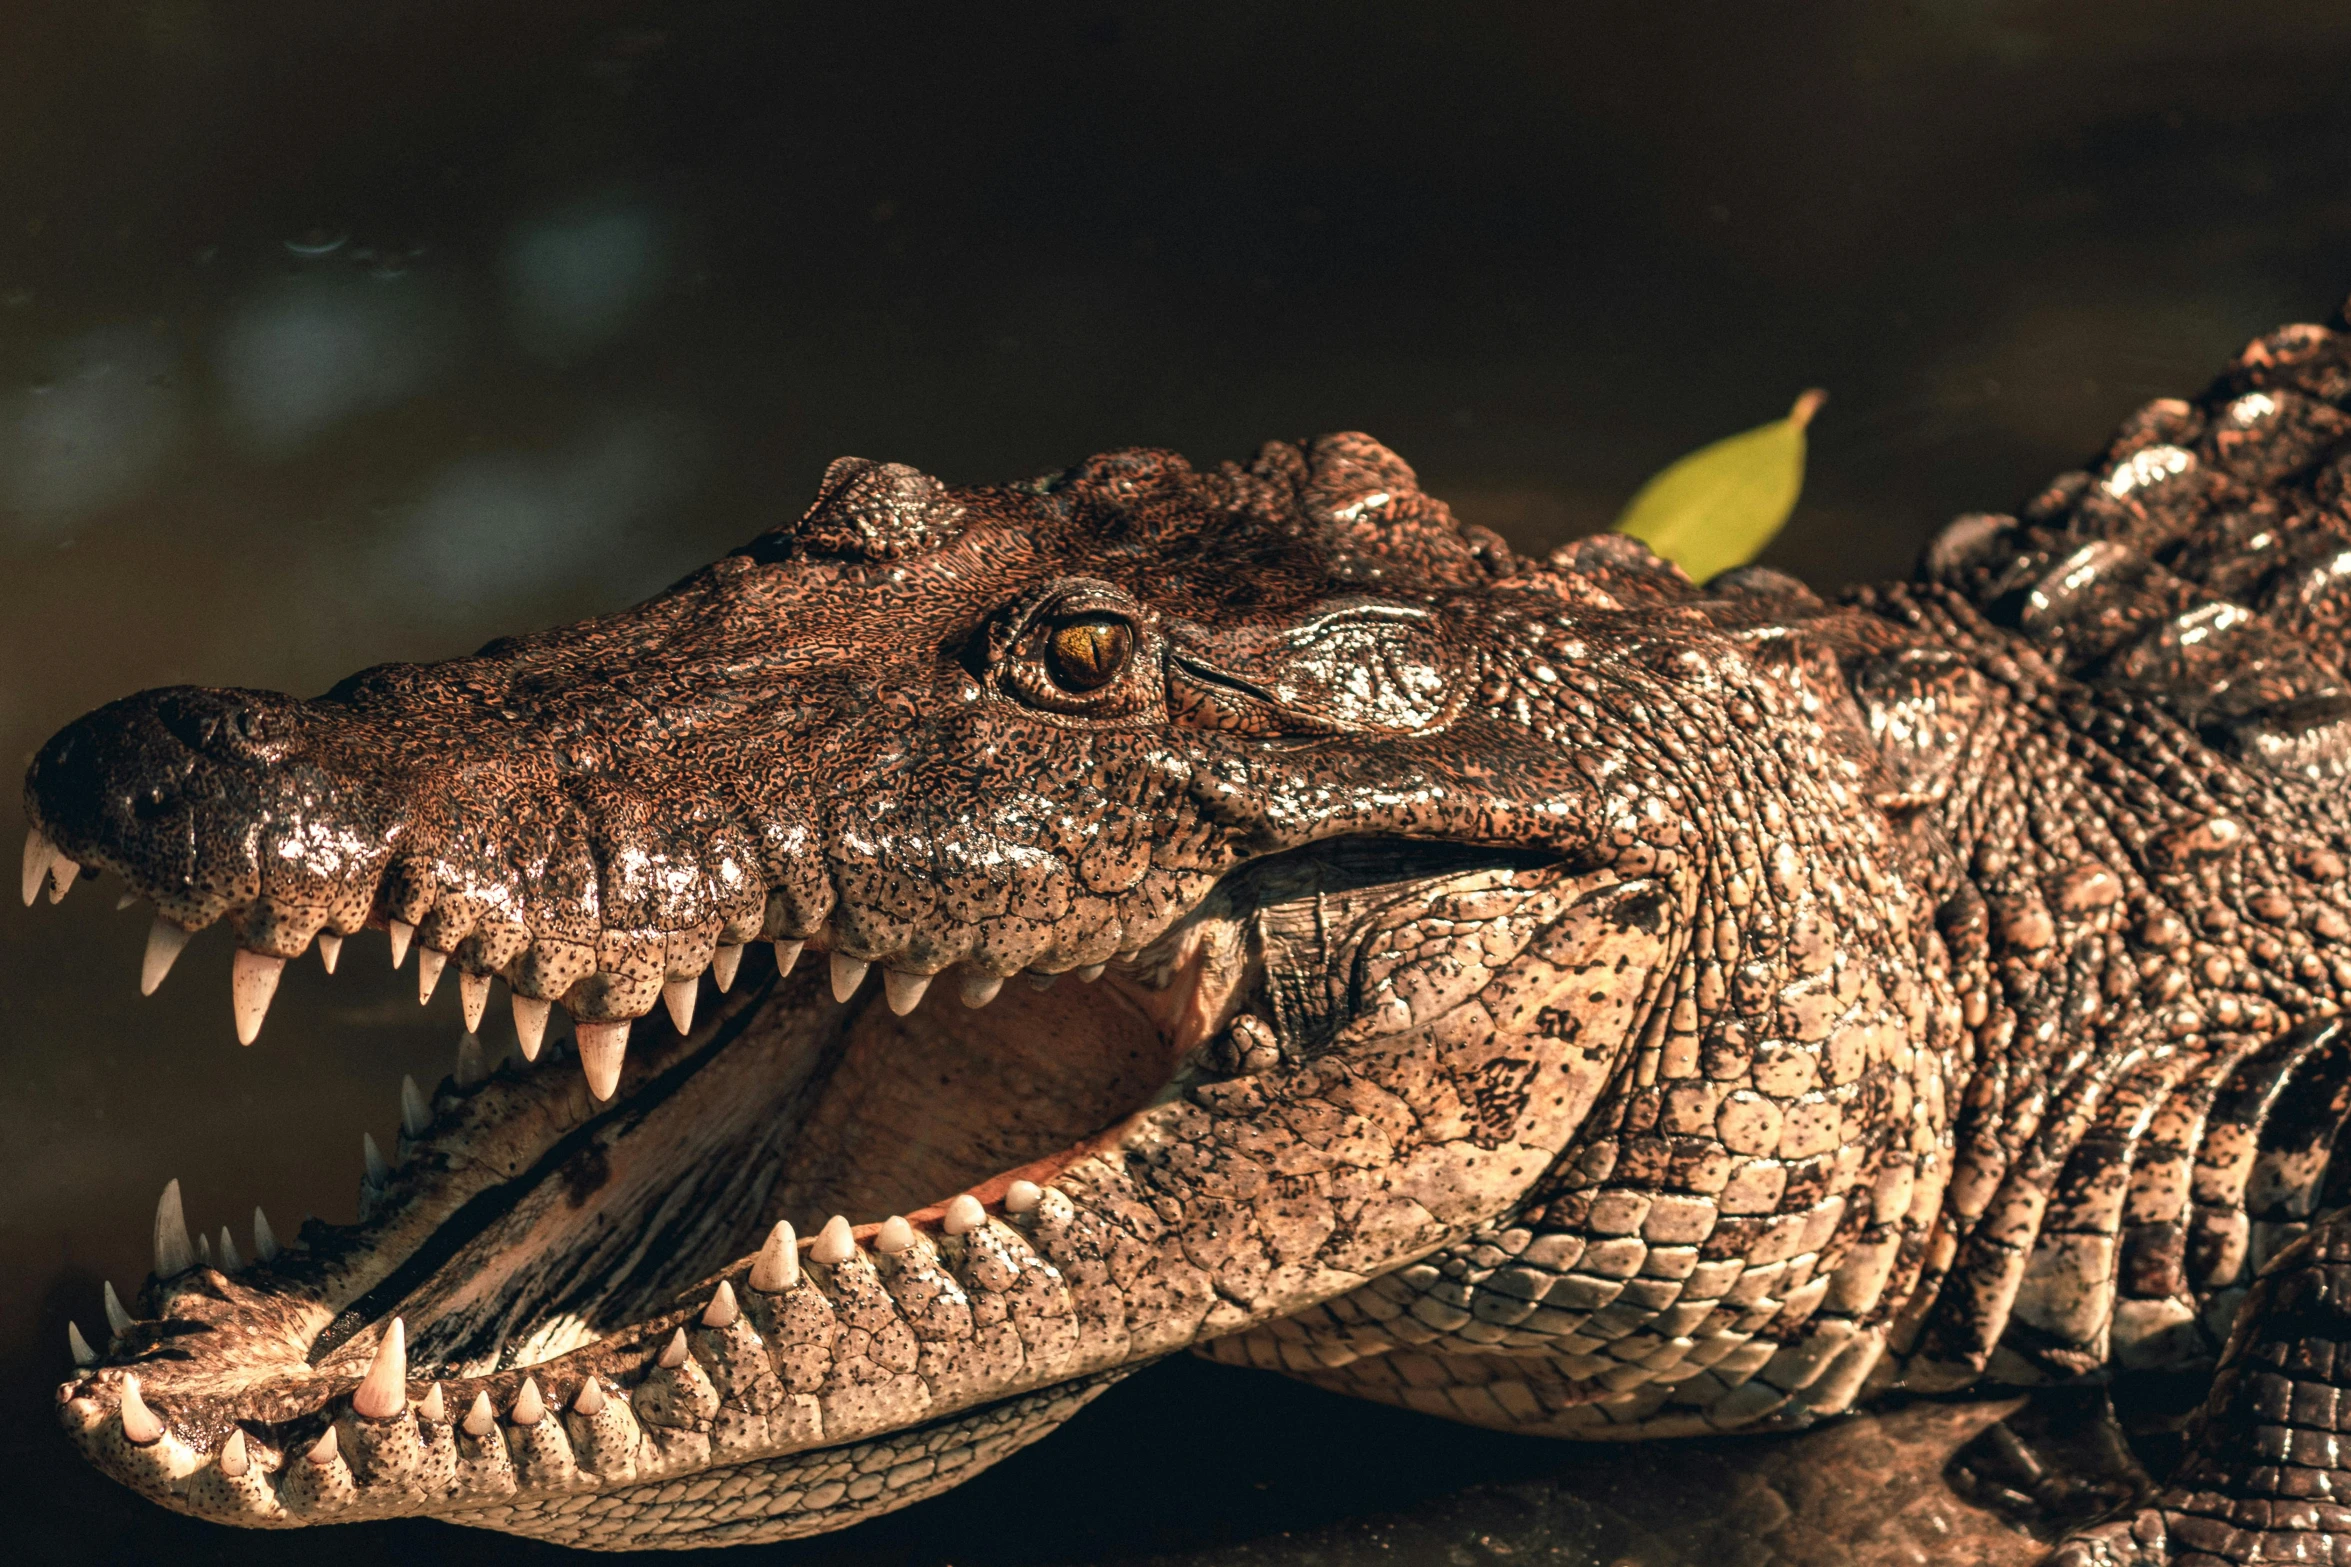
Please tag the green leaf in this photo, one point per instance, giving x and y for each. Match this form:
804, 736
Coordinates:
1718, 507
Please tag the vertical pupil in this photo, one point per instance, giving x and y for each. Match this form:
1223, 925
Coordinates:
1088, 653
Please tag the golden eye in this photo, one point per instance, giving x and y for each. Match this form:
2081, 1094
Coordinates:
1088, 654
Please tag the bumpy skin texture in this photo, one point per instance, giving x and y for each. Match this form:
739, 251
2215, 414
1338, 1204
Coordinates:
1596, 1006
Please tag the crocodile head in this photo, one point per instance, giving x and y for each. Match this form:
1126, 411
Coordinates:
1190, 896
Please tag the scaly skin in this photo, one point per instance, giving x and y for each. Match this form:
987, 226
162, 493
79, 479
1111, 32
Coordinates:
1544, 994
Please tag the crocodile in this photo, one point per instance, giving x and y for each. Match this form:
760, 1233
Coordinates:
999, 935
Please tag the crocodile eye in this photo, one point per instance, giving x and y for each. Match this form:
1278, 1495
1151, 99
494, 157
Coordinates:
1088, 653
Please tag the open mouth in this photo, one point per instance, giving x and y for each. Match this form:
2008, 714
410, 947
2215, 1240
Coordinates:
810, 1208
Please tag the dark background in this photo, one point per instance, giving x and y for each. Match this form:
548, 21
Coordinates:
333, 334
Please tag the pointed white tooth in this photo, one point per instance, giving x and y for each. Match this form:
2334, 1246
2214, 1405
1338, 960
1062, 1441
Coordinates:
402, 933
265, 1240
416, 1117
979, 988
964, 1215
1039, 981
174, 1254
253, 979
473, 994
371, 1159
480, 1419
204, 1250
432, 1406
529, 1408
722, 1310
603, 1047
139, 1425
383, 1392
787, 954
1023, 1197
234, 1460
1092, 972
322, 1452
125, 901
38, 852
778, 1266
848, 974
678, 995
833, 1243
78, 1346
472, 1066
230, 1262
589, 1400
673, 1353
330, 950
428, 972
904, 991
62, 873
164, 941
893, 1237
723, 964
530, 1023
118, 1321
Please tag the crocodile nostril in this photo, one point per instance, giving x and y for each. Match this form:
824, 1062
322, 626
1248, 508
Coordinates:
154, 802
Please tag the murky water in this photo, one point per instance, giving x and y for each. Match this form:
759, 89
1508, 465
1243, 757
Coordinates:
332, 335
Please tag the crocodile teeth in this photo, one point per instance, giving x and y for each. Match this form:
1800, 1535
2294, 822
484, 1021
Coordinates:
265, 1240
1023, 1197
722, 1310
432, 1406
787, 954
402, 932
118, 1321
473, 994
723, 964
964, 1215
204, 1250
38, 852
1039, 981
383, 1392
472, 1066
778, 1266
678, 995
603, 1046
164, 942
848, 974
125, 901
62, 872
330, 950
893, 1237
833, 1243
174, 1255
253, 979
428, 972
78, 1346
1092, 972
530, 1023
230, 1262
673, 1353
978, 989
371, 1159
234, 1460
416, 1117
529, 1407
322, 1452
139, 1425
480, 1419
904, 991
589, 1400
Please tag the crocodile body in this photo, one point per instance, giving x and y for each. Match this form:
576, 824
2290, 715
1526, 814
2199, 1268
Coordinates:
1543, 993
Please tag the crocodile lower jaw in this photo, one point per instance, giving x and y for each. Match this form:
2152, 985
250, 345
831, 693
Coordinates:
551, 1292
